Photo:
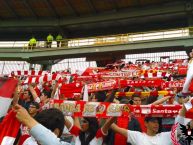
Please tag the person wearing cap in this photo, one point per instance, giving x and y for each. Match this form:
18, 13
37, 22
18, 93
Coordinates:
136, 100
181, 98
151, 137
130, 123
33, 109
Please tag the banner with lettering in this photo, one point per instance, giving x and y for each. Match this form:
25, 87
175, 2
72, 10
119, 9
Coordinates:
172, 84
104, 109
76, 87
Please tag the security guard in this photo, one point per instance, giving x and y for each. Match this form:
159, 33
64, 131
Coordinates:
32, 43
50, 38
58, 40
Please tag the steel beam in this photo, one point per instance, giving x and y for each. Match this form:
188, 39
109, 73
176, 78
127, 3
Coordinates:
71, 8
51, 8
28, 6
114, 3
10, 9
170, 9
92, 7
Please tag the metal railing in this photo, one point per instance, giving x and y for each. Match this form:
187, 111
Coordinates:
106, 40
12, 44
129, 38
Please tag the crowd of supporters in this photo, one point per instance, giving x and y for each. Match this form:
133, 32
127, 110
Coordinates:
49, 126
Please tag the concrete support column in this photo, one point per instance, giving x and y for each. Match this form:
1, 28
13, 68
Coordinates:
46, 67
31, 66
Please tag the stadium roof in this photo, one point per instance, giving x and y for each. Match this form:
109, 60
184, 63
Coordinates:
20, 19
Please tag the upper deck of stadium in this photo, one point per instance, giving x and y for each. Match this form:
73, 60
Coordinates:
84, 18
112, 27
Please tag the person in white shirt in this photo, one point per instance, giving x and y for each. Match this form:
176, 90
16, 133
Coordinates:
152, 137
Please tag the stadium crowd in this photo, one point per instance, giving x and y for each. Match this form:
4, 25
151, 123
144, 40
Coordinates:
45, 125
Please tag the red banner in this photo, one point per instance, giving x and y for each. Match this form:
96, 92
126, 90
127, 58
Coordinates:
173, 84
103, 109
71, 88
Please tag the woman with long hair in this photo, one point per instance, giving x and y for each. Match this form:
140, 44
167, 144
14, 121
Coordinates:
87, 130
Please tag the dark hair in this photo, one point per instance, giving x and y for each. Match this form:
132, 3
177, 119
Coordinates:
124, 101
47, 93
127, 89
181, 95
100, 96
135, 95
35, 104
1, 118
148, 118
151, 99
51, 119
92, 130
30, 94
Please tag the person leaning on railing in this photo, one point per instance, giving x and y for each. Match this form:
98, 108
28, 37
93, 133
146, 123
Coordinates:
50, 38
59, 40
32, 43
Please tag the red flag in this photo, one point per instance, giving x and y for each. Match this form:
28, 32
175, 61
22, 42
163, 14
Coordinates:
7, 87
9, 128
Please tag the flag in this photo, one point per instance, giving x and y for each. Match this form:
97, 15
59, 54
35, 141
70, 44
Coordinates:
57, 93
189, 108
7, 88
85, 93
9, 128
189, 104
